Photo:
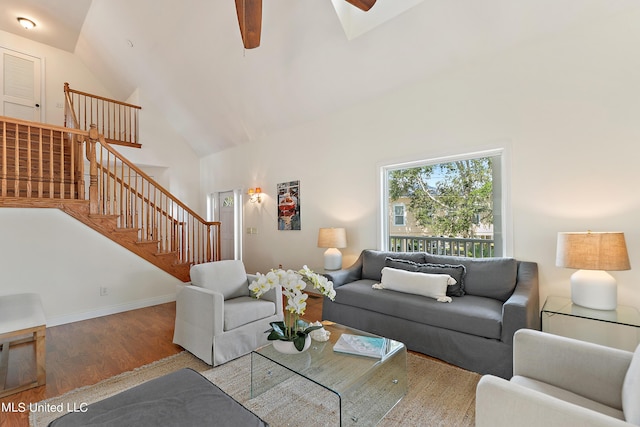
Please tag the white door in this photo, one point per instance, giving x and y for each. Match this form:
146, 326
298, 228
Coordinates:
225, 207
20, 85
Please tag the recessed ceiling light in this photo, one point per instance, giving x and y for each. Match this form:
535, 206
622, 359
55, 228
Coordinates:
27, 24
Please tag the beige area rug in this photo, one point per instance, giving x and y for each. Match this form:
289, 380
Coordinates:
439, 394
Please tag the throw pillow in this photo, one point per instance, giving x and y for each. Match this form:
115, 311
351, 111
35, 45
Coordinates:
631, 391
457, 272
401, 264
428, 285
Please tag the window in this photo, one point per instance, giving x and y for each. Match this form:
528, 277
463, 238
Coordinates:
398, 215
447, 206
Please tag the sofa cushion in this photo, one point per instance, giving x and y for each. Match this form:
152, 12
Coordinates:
244, 310
485, 277
374, 261
428, 285
631, 390
457, 272
468, 314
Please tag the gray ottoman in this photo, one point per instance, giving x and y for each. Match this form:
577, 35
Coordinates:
182, 398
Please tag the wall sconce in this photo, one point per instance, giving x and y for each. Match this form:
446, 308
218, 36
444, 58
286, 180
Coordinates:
254, 194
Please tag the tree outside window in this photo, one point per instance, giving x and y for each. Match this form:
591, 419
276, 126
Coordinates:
450, 205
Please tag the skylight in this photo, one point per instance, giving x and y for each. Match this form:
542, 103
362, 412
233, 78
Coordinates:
356, 22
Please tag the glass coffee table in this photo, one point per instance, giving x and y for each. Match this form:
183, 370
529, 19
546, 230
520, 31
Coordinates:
359, 389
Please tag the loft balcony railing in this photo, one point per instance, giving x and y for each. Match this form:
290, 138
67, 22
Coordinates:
116, 121
472, 248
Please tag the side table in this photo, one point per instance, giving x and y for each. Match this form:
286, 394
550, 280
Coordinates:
619, 328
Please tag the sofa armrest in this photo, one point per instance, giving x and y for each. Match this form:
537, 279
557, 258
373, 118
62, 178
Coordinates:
346, 275
590, 370
521, 310
502, 403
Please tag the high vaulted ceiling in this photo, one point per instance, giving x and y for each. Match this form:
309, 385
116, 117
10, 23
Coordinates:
187, 56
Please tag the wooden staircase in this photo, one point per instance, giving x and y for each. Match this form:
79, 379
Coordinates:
78, 172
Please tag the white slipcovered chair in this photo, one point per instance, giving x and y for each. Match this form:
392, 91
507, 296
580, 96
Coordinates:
216, 318
560, 381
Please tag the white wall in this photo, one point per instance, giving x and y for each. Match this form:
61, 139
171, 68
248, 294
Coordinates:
162, 147
59, 66
567, 109
50, 253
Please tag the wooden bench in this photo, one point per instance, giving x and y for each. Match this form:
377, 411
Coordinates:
21, 321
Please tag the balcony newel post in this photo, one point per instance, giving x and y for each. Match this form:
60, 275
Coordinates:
93, 170
79, 167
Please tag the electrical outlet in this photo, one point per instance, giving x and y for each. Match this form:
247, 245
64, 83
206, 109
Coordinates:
104, 291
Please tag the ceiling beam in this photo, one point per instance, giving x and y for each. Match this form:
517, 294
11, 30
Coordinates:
250, 21
362, 4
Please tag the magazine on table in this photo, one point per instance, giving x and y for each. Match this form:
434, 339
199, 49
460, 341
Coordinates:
361, 345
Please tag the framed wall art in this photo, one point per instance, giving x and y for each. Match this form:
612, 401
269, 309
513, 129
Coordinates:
289, 205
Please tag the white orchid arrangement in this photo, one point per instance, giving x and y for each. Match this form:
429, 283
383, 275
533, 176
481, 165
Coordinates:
293, 283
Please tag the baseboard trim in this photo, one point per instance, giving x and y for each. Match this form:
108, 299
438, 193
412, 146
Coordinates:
113, 309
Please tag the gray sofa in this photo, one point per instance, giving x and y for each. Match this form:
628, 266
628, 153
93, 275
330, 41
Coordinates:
474, 331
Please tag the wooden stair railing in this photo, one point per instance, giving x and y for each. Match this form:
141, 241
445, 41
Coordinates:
43, 165
117, 121
120, 190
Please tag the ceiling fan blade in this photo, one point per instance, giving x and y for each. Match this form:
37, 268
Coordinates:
250, 20
362, 4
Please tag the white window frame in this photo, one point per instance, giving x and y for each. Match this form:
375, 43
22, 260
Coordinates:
505, 232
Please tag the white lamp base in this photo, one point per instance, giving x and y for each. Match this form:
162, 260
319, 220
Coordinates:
594, 289
332, 259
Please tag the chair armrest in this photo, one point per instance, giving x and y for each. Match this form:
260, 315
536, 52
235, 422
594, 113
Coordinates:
521, 310
202, 308
590, 370
502, 403
346, 275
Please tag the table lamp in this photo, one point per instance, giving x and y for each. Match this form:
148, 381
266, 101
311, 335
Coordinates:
332, 238
592, 253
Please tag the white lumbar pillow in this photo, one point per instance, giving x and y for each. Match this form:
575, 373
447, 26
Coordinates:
425, 284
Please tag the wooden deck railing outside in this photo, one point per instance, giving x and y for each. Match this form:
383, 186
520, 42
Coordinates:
116, 121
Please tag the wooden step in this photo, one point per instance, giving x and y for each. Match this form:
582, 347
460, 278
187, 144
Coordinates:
107, 221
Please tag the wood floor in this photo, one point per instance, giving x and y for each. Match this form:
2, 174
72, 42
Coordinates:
84, 353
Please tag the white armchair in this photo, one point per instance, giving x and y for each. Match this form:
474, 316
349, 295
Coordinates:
216, 318
560, 381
